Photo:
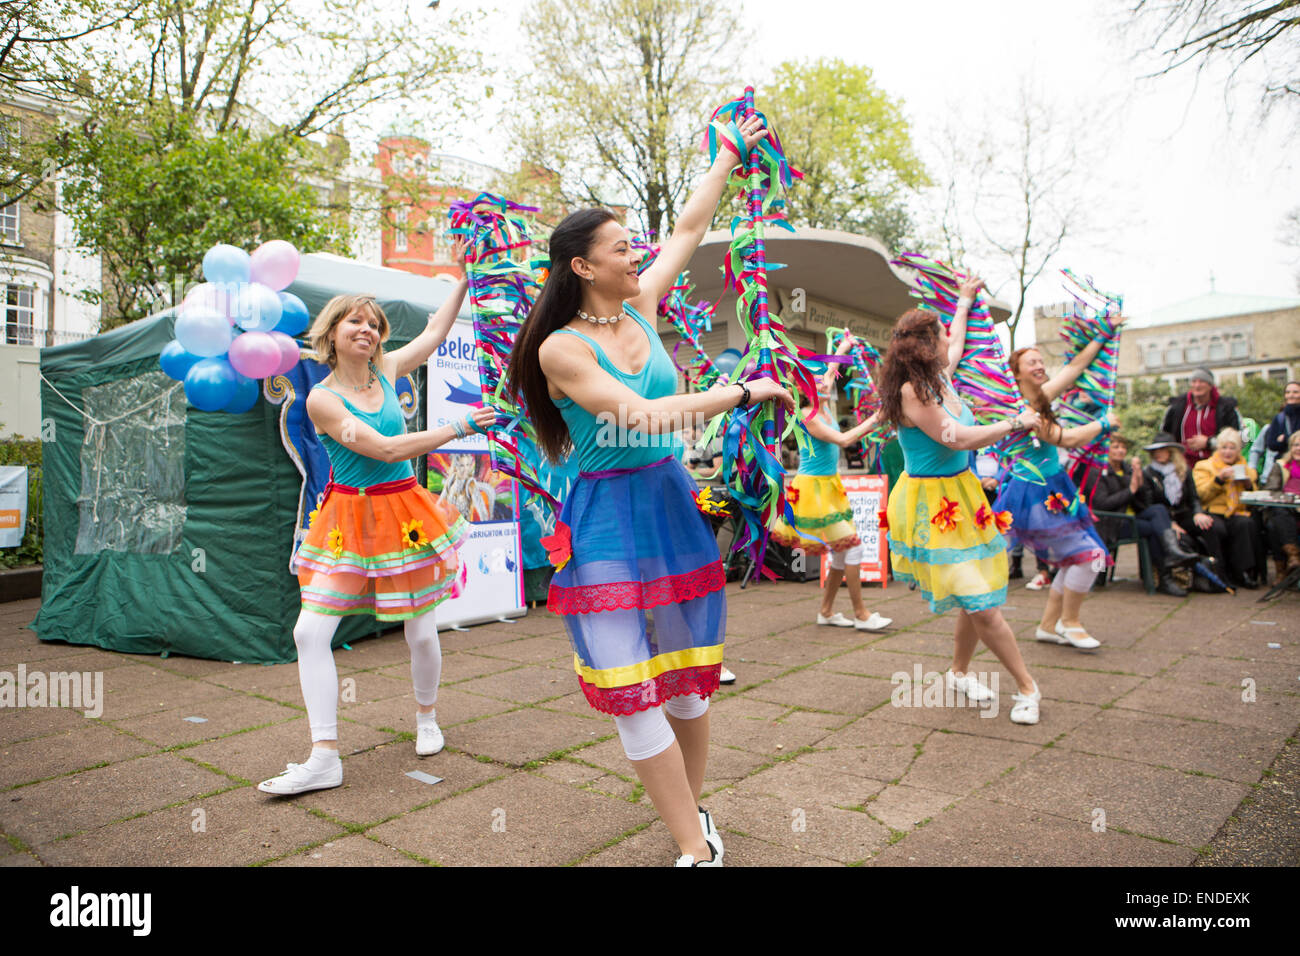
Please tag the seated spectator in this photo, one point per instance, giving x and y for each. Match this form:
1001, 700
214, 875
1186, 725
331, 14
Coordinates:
1282, 523
1170, 480
1285, 424
1122, 487
1220, 480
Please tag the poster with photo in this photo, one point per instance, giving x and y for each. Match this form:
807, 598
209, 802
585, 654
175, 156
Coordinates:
868, 496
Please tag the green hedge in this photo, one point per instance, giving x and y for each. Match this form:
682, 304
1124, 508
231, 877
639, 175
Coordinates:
25, 451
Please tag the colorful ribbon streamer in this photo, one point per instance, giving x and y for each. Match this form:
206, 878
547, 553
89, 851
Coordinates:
1093, 394
502, 290
983, 376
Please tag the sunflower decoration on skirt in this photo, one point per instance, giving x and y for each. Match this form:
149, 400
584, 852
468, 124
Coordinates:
334, 541
413, 535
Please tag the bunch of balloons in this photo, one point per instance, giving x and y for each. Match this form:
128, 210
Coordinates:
237, 327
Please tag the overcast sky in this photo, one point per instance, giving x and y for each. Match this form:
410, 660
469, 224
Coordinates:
1190, 184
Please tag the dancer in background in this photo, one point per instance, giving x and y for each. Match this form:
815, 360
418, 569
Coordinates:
641, 591
379, 543
1047, 514
943, 537
823, 517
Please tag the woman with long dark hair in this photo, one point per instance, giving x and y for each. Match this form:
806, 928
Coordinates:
641, 591
943, 537
1048, 515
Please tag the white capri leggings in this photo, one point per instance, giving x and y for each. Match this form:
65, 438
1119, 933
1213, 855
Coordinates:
647, 733
1076, 577
851, 555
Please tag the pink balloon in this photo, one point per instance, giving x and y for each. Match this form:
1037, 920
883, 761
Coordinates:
255, 354
275, 264
288, 352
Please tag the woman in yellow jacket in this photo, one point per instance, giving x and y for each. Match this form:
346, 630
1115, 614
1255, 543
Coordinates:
1220, 480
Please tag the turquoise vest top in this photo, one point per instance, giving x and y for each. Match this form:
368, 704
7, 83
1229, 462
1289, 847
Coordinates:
356, 470
926, 458
1044, 458
822, 460
601, 446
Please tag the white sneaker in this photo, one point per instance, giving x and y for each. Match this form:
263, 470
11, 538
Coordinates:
1077, 636
298, 779
726, 677
428, 736
687, 860
711, 835
1038, 581
1025, 710
835, 620
873, 623
969, 685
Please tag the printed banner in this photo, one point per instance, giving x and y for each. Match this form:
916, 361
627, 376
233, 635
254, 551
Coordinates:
454, 385
869, 495
13, 505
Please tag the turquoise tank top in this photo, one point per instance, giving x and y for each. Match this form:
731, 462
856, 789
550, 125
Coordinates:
822, 460
602, 445
356, 470
926, 458
1044, 458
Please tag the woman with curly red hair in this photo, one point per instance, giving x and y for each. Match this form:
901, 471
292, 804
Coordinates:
943, 537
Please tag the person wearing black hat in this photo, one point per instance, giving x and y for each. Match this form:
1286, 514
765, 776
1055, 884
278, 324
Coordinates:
1197, 417
1170, 479
1123, 487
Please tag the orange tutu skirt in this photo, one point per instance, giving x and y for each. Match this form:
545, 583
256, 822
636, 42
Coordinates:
388, 550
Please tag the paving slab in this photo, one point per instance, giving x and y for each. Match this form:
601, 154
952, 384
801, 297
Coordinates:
797, 784
819, 689
260, 754
376, 786
979, 832
354, 850
844, 836
453, 707
528, 684
72, 750
904, 808
235, 828
25, 723
520, 736
1267, 674
766, 728
1237, 753
1220, 704
554, 648
46, 811
521, 820
959, 763
1150, 801
655, 845
225, 715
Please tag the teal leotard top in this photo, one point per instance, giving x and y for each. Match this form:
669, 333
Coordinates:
1044, 458
356, 470
823, 459
602, 445
926, 458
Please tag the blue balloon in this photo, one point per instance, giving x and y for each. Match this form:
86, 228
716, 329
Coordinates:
246, 392
175, 361
211, 384
294, 317
258, 308
726, 361
226, 263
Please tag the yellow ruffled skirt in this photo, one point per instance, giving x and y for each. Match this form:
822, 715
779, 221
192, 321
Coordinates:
945, 538
823, 517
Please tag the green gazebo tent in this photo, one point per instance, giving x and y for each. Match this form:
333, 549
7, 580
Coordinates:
169, 529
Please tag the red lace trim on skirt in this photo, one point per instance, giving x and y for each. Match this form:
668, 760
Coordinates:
621, 701
625, 595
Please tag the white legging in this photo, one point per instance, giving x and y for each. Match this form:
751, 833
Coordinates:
1076, 577
320, 679
647, 733
851, 555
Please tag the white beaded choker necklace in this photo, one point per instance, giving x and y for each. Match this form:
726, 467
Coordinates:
600, 319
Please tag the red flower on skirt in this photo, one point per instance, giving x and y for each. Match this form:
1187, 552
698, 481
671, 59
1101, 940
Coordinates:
792, 495
946, 518
983, 517
559, 546
882, 518
1056, 503
1003, 518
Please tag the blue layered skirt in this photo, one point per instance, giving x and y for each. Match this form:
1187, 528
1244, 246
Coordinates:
1051, 519
642, 595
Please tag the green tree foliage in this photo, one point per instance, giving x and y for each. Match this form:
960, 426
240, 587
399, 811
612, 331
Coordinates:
159, 193
1142, 409
193, 123
853, 145
619, 95
1257, 398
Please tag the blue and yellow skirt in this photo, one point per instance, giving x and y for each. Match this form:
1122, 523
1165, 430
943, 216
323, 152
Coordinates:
946, 540
642, 593
823, 517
